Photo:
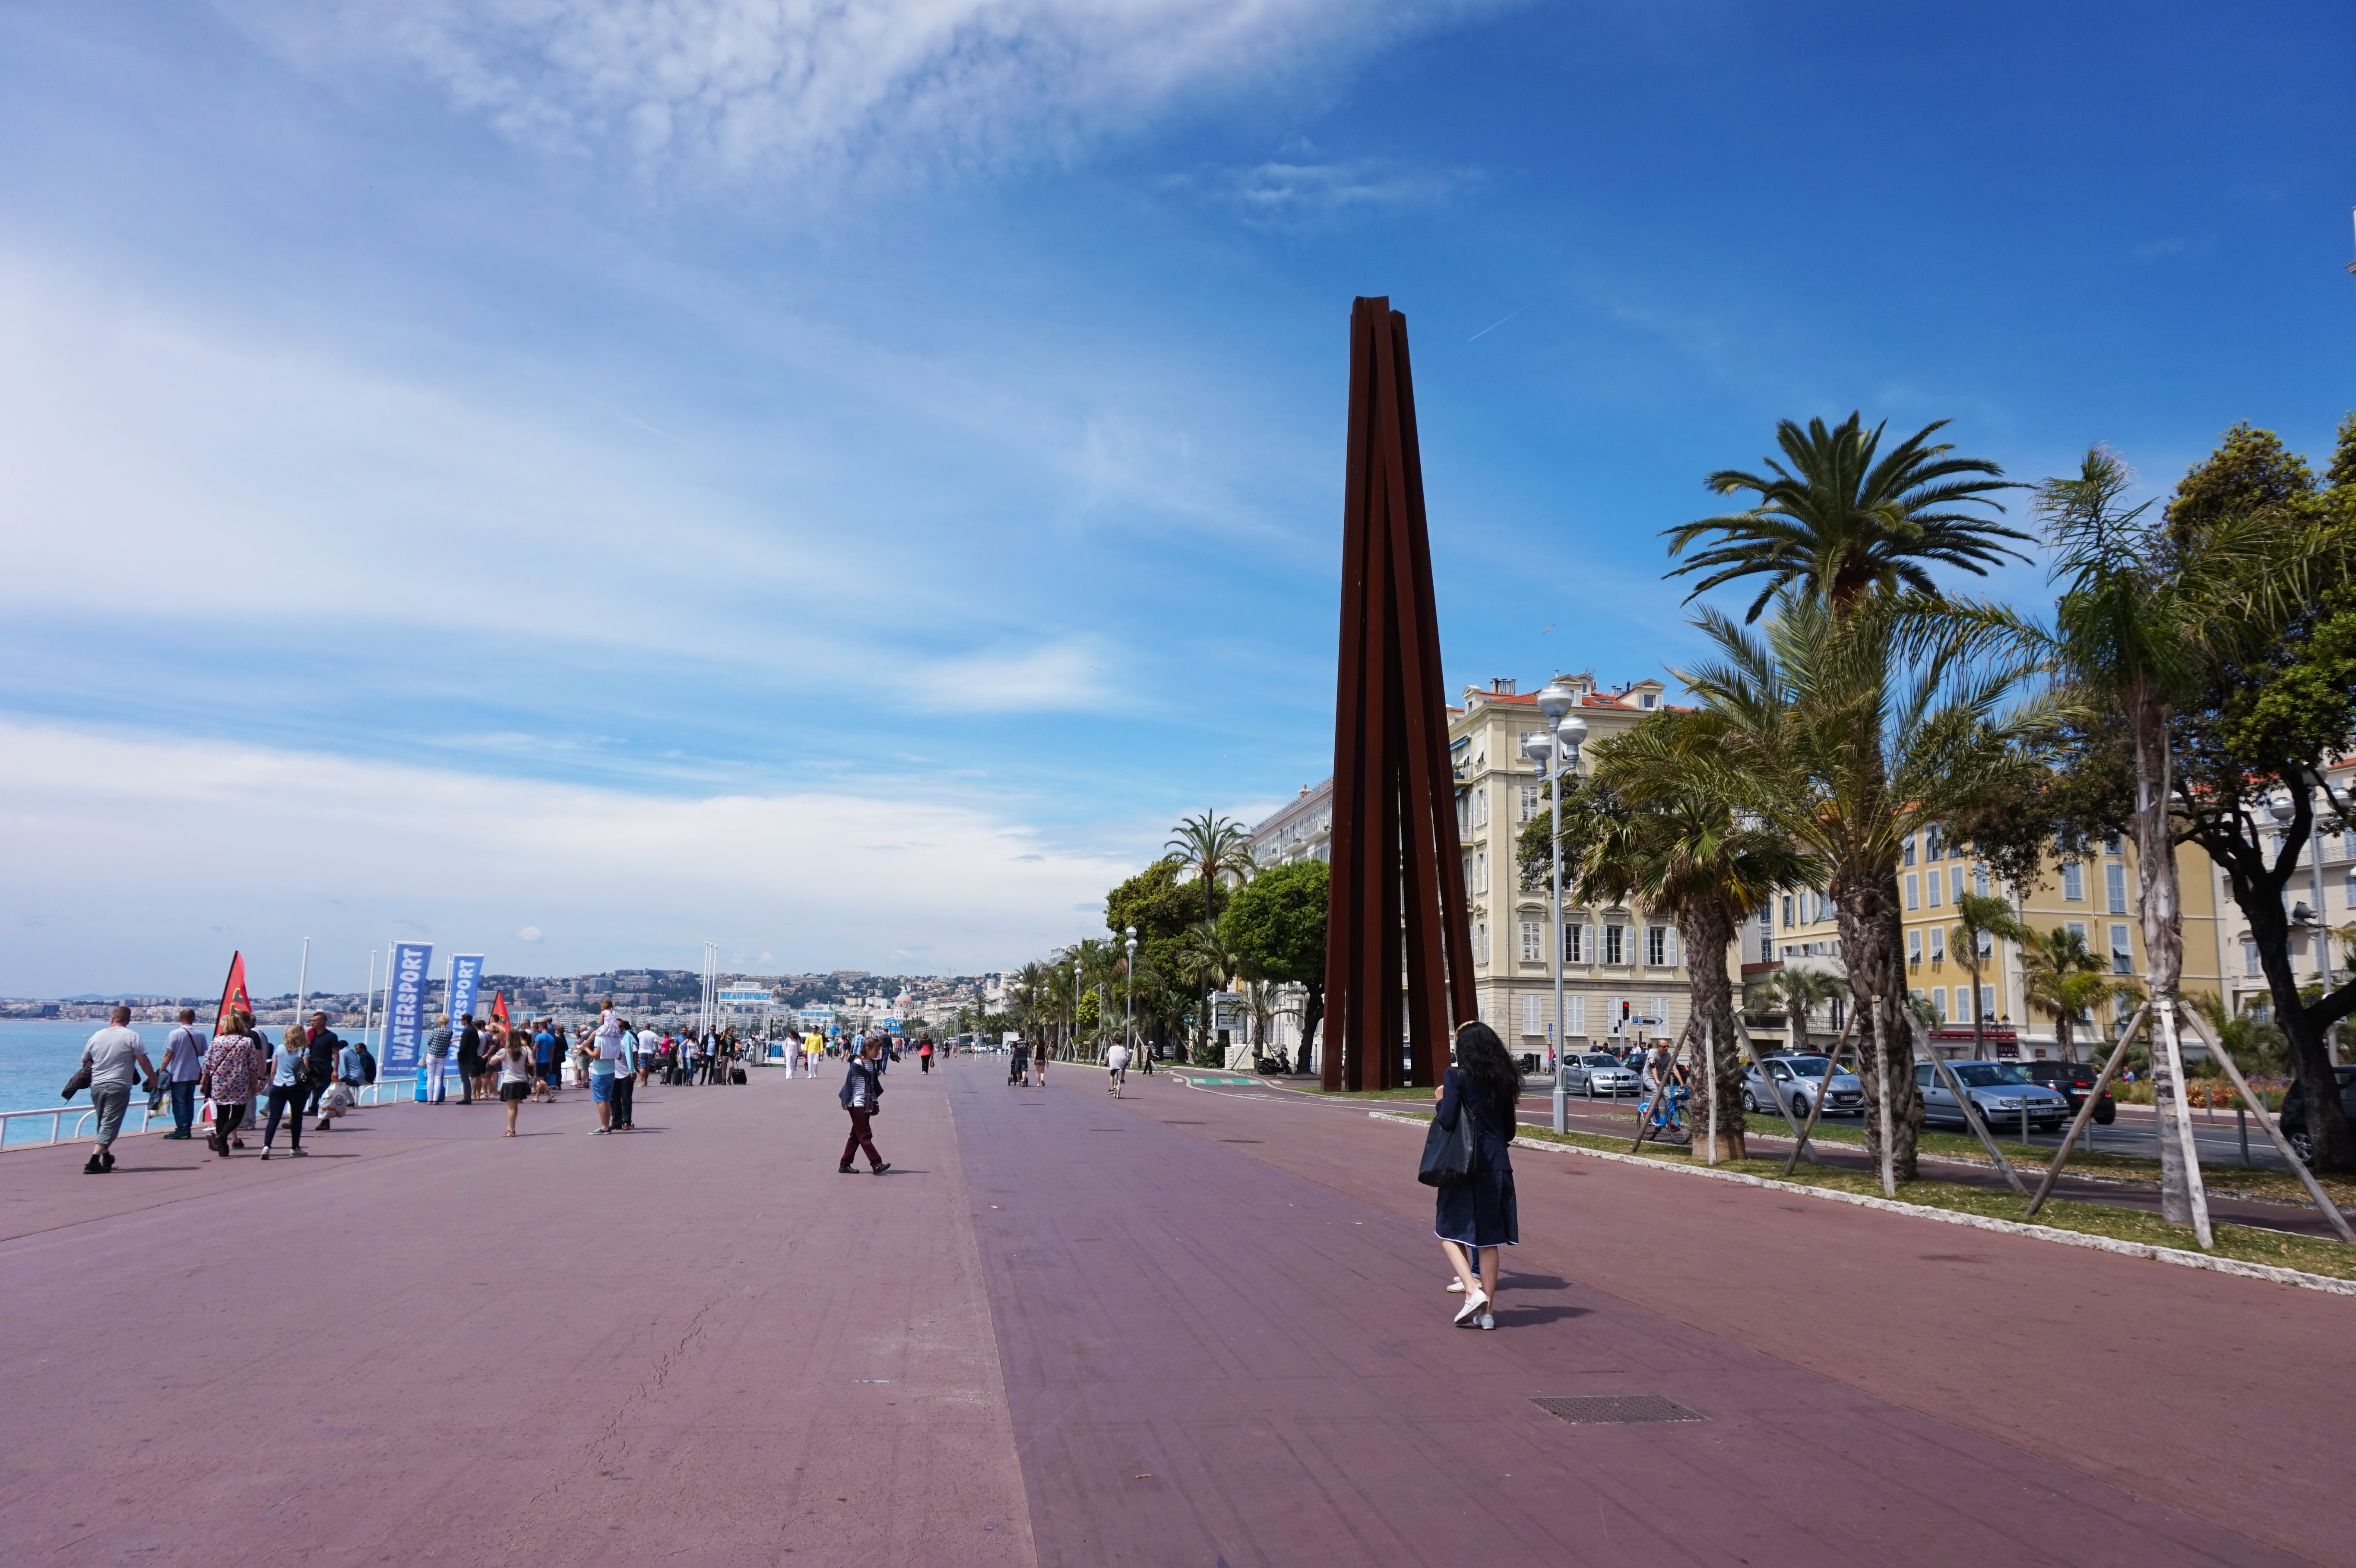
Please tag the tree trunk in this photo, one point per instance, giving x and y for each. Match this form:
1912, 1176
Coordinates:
2163, 927
1705, 928
1979, 1017
1312, 1013
1865, 908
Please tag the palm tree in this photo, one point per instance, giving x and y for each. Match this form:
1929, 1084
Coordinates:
1683, 848
1847, 733
2140, 608
1843, 519
2256, 1044
1204, 957
2061, 978
1979, 916
1214, 848
1800, 992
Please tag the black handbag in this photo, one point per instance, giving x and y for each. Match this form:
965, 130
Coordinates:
76, 1083
1448, 1151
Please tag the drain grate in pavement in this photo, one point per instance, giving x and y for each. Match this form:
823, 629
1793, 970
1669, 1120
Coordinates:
1616, 1409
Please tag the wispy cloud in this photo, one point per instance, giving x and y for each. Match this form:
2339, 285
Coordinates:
641, 878
744, 85
1306, 192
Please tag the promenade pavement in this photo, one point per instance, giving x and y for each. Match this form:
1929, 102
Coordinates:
1191, 1326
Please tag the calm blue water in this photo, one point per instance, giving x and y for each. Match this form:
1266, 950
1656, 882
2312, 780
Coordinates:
36, 1057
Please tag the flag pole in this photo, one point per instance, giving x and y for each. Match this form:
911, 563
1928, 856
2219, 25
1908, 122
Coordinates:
303, 982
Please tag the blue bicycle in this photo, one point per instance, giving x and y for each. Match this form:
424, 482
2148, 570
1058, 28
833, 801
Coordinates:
1662, 1117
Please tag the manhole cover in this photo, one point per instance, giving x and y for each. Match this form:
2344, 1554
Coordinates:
1616, 1409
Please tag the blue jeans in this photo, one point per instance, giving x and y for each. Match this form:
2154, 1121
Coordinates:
184, 1106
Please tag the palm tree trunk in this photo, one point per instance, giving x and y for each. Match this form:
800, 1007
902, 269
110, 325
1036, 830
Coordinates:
1972, 968
2163, 928
1867, 914
1705, 928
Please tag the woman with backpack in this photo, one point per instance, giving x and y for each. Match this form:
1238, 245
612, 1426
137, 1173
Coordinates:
1485, 1084
863, 1096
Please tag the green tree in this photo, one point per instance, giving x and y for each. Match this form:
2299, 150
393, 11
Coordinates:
1978, 918
1276, 925
1847, 732
2262, 712
1215, 849
1800, 992
1159, 907
2144, 607
1843, 519
1684, 848
2063, 978
1207, 962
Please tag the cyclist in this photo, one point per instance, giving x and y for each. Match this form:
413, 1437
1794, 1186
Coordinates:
1662, 1114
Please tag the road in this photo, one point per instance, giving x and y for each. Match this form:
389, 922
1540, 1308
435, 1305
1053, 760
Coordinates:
1186, 1327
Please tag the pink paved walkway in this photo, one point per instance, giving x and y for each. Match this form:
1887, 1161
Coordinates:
1194, 1328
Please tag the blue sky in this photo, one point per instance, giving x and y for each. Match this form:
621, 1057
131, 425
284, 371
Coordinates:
577, 479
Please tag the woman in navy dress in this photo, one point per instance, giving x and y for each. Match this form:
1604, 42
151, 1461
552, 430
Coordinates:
1484, 1083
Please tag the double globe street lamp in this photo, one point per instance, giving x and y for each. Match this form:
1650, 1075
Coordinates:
1554, 751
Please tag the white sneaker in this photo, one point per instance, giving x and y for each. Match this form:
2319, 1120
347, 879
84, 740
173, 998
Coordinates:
1474, 1302
1455, 1288
1487, 1321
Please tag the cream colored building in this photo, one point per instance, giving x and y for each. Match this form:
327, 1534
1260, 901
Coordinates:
1624, 974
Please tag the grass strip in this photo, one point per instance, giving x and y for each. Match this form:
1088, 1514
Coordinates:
2244, 1243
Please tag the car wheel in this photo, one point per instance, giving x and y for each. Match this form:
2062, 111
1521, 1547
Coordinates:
1748, 1103
2106, 1114
2303, 1147
1799, 1107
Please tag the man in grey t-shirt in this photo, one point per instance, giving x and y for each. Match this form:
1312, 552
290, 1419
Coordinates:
115, 1056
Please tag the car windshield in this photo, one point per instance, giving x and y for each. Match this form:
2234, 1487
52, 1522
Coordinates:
1806, 1066
1987, 1074
1599, 1061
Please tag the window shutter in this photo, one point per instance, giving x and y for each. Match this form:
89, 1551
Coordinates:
1577, 1008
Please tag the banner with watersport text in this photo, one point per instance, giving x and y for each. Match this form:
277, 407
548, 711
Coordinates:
466, 985
404, 1012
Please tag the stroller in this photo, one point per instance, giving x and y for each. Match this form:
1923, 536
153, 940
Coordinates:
1016, 1062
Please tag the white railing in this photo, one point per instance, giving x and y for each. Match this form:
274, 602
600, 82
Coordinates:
383, 1092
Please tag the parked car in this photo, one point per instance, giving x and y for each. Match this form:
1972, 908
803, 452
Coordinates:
1999, 1089
2076, 1081
1597, 1072
2294, 1112
1798, 1080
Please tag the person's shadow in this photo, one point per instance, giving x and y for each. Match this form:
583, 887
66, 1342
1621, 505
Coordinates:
1526, 1316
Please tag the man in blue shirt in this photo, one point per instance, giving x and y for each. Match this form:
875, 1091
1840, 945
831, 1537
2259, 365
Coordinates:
184, 1063
543, 1056
626, 1077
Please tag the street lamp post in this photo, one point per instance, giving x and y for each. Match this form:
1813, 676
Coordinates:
1555, 753
1128, 979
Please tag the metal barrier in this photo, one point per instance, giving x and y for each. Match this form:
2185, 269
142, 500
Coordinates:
383, 1092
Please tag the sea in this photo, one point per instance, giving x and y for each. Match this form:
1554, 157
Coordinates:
36, 1057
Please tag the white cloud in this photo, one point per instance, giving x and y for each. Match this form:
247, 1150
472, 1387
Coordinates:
126, 853
1283, 193
740, 84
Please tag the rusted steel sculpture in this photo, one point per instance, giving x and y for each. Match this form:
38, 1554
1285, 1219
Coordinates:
1399, 955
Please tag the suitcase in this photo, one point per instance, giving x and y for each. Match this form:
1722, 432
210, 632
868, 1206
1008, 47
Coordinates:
735, 1075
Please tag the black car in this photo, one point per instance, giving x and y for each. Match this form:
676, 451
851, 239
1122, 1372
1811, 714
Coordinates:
2294, 1112
2075, 1079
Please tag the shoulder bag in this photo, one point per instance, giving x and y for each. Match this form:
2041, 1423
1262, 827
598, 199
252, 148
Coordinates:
1448, 1151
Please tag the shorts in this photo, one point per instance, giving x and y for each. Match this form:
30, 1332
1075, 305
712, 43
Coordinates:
515, 1091
601, 1088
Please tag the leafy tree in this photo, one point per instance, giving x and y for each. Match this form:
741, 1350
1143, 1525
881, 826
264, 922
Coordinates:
1846, 733
2063, 977
1979, 917
1215, 849
2256, 1043
1204, 958
1684, 850
2265, 708
1161, 908
1800, 992
1844, 519
1276, 925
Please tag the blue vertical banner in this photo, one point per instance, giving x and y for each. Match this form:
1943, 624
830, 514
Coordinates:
465, 985
412, 963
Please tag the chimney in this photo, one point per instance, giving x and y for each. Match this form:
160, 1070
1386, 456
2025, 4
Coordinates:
1503, 686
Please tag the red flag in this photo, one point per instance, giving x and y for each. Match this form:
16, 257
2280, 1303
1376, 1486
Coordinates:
232, 993
500, 1006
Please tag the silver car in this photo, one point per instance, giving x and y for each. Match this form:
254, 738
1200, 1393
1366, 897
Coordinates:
1798, 1080
1593, 1072
2001, 1090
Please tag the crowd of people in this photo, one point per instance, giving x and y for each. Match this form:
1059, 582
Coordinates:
242, 1081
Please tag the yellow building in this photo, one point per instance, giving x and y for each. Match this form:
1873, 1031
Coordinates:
2093, 894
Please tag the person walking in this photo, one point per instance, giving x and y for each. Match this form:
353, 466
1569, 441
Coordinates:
602, 1055
626, 1077
1483, 1083
515, 1063
232, 1069
925, 1054
184, 1064
1038, 1063
545, 1065
470, 1058
114, 1057
323, 1045
290, 1086
351, 1071
1116, 1068
436, 1054
863, 1096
